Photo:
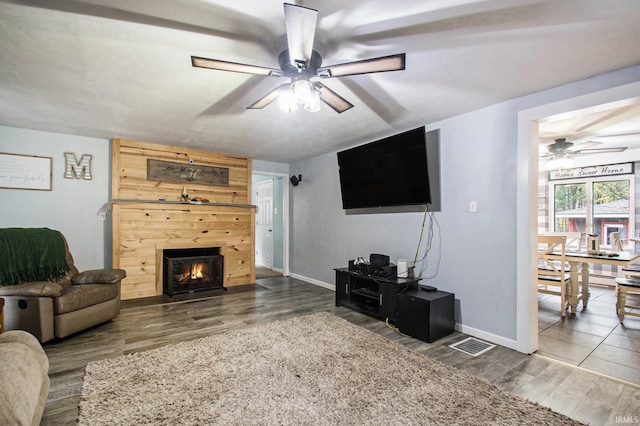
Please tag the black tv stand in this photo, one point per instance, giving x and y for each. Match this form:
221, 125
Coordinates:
371, 295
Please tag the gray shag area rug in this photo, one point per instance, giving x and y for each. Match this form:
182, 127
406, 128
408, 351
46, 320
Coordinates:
314, 369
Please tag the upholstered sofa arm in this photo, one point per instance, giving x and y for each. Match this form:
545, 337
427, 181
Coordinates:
24, 383
36, 288
99, 276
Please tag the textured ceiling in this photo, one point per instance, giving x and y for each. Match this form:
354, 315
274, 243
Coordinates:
122, 68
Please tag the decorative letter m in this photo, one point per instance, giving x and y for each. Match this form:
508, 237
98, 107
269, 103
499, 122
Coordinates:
78, 169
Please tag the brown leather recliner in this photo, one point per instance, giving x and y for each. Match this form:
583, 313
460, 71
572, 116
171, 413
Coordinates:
58, 309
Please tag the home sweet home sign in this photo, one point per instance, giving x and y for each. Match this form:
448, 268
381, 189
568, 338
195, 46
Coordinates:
594, 171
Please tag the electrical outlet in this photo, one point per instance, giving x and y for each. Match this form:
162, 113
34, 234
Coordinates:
473, 206
102, 215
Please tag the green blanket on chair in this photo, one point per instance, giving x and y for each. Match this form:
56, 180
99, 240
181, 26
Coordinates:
31, 254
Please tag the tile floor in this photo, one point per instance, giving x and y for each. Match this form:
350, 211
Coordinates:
592, 339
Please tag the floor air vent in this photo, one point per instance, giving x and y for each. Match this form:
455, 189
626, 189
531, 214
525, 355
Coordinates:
472, 346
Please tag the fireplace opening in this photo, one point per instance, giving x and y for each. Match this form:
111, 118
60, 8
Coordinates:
193, 269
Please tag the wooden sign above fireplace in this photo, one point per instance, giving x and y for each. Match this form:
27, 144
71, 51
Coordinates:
169, 171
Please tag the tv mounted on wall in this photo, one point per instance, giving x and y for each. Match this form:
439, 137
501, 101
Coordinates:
386, 173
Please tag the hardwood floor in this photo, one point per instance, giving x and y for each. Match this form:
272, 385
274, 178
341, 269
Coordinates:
262, 272
153, 322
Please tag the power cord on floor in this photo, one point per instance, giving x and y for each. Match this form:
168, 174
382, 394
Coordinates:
389, 325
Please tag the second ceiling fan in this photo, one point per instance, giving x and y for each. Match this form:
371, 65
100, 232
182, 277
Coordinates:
300, 63
561, 147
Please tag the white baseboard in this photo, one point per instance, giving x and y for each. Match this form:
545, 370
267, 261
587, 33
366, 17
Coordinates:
490, 337
480, 334
313, 281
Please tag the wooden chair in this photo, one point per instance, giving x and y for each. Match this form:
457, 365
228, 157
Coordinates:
614, 240
574, 239
625, 286
553, 277
632, 271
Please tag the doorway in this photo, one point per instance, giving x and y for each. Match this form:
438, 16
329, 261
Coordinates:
527, 202
585, 197
264, 223
270, 195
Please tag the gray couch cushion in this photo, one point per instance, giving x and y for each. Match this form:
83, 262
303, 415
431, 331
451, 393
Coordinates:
24, 383
80, 296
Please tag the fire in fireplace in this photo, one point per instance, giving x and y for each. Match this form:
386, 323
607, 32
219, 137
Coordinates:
191, 270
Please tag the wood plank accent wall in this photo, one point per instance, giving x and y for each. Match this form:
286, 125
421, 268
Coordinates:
143, 225
129, 174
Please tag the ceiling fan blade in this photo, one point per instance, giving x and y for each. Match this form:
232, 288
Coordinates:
584, 145
381, 64
600, 150
269, 97
300, 24
216, 64
331, 98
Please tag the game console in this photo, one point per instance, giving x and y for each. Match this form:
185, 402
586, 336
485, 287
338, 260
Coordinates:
378, 265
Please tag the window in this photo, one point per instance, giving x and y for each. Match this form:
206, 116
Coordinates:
594, 206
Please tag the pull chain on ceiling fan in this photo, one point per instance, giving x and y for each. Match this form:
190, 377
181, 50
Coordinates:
300, 63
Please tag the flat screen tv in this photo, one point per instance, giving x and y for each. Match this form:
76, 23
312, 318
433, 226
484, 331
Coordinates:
385, 173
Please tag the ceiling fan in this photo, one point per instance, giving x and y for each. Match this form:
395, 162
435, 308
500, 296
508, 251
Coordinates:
302, 65
561, 148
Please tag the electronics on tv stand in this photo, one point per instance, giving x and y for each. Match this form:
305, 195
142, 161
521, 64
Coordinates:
378, 265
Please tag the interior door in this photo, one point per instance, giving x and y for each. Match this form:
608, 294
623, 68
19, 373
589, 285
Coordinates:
264, 224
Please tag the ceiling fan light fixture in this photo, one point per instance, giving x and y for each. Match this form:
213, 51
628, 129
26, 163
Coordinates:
300, 93
288, 101
312, 103
302, 89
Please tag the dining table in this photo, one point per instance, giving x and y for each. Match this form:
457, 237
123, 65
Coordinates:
579, 290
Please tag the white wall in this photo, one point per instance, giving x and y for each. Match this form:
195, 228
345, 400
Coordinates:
474, 255
478, 161
269, 167
72, 205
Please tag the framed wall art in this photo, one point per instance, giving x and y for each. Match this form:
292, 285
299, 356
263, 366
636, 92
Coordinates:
19, 171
